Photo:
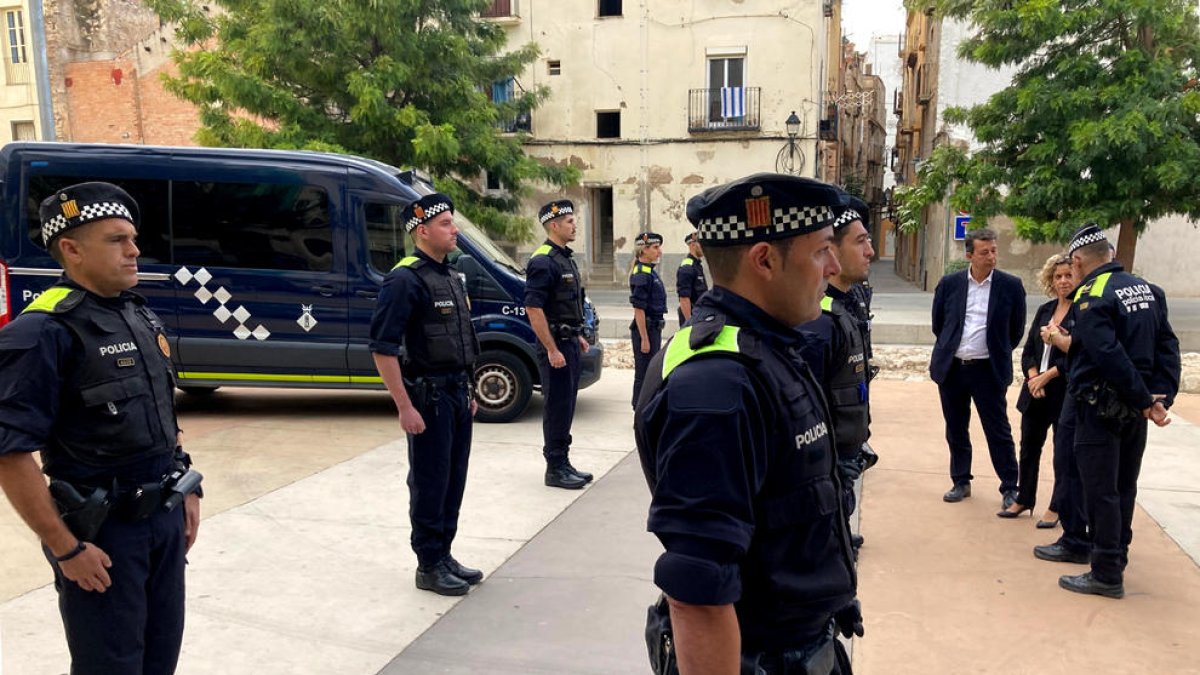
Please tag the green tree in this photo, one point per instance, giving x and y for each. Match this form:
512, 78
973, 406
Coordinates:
1099, 124
406, 82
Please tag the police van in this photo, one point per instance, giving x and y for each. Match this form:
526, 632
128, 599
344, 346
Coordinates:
265, 265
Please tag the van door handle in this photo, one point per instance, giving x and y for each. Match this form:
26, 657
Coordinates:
325, 291
370, 295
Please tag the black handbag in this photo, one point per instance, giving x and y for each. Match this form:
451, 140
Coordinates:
660, 642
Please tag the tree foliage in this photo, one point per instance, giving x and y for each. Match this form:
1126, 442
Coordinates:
1101, 122
402, 81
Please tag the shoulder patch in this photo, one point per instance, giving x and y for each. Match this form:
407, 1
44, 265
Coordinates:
25, 331
56, 300
411, 262
544, 249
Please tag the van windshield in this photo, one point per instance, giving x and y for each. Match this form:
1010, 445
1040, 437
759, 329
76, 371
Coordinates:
480, 239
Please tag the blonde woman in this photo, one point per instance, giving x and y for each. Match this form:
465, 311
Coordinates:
1041, 399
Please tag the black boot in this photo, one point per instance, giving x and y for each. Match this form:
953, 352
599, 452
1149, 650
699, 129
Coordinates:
468, 574
441, 580
561, 476
1088, 584
587, 477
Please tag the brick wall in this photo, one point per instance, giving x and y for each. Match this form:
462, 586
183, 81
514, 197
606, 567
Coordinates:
109, 101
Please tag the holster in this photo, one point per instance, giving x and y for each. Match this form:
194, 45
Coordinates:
1108, 404
660, 642
83, 512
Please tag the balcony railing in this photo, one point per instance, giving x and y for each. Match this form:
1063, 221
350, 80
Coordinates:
522, 122
16, 73
501, 9
724, 109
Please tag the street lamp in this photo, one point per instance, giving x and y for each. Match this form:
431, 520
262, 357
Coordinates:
790, 158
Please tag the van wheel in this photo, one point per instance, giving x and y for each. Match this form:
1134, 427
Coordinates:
502, 387
198, 391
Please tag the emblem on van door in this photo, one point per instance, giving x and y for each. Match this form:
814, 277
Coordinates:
223, 314
306, 320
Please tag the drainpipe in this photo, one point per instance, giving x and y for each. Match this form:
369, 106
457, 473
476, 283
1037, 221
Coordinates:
37, 26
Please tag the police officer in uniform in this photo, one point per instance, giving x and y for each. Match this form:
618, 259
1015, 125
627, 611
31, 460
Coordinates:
690, 283
86, 379
554, 304
424, 348
649, 299
735, 441
1124, 369
837, 347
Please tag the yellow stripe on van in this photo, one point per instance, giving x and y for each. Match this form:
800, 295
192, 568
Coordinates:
272, 377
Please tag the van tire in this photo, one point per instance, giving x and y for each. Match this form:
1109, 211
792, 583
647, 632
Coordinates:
503, 386
198, 391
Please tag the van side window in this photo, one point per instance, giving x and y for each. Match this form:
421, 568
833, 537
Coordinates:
386, 239
151, 196
254, 225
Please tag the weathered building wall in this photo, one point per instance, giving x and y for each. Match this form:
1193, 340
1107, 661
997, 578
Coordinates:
643, 65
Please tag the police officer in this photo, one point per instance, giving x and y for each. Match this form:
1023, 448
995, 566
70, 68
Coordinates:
837, 344
1124, 369
554, 304
86, 379
735, 442
649, 299
690, 283
424, 348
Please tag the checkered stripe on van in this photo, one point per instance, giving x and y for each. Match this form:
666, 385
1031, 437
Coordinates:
240, 315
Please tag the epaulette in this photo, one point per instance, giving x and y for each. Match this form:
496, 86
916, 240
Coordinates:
56, 300
411, 262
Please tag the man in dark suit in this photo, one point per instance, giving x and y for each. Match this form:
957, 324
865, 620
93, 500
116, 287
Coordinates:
978, 318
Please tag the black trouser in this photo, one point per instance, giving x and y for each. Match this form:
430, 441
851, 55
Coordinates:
560, 389
1036, 421
963, 384
642, 361
136, 626
1068, 487
1110, 458
437, 468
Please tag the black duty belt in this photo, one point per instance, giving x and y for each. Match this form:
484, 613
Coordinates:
562, 331
446, 381
816, 658
971, 362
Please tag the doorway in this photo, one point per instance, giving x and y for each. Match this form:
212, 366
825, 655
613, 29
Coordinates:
602, 235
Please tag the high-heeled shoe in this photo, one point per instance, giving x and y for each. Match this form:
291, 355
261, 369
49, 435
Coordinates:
1043, 524
1013, 514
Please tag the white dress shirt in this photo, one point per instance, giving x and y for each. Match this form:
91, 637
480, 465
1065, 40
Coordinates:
974, 335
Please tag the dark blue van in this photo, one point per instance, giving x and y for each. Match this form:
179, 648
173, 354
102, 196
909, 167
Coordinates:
265, 265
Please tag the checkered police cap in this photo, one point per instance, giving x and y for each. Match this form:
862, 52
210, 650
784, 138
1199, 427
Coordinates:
762, 207
556, 208
78, 205
851, 209
648, 238
691, 236
1088, 234
424, 209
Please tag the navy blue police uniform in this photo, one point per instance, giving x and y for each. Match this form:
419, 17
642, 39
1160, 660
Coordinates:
690, 281
836, 345
87, 380
1123, 352
736, 444
423, 317
553, 284
647, 293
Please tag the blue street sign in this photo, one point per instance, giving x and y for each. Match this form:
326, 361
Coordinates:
960, 226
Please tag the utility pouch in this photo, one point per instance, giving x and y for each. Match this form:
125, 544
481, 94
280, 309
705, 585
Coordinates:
83, 515
660, 642
1108, 404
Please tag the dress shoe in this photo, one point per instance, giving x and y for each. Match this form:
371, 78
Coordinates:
468, 574
856, 540
1010, 512
1086, 583
441, 580
587, 477
1059, 553
562, 477
959, 492
1009, 499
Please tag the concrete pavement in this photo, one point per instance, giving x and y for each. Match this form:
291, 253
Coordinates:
303, 563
